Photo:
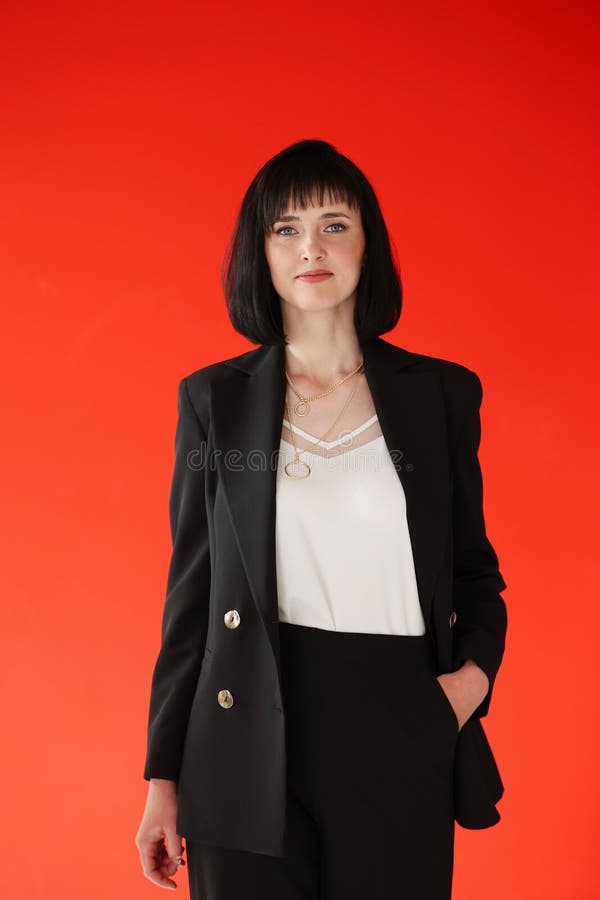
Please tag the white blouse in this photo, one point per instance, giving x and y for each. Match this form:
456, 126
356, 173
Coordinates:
343, 553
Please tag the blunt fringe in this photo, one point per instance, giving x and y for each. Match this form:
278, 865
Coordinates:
300, 174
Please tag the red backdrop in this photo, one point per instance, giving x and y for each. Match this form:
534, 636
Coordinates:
130, 132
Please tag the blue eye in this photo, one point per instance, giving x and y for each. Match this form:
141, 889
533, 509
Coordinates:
332, 225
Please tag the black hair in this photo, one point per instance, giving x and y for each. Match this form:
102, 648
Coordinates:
298, 174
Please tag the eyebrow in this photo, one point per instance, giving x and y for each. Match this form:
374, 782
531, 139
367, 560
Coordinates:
327, 215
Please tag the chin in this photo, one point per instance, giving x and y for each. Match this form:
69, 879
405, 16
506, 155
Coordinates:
315, 304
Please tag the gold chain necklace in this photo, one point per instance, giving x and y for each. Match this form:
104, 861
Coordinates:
296, 461
302, 405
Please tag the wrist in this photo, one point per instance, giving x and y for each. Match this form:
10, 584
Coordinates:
164, 785
474, 676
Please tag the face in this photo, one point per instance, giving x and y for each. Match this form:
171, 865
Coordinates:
329, 238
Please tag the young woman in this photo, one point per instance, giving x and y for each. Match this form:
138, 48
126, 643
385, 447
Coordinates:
333, 624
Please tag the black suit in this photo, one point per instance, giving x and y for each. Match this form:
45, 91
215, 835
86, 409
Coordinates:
230, 762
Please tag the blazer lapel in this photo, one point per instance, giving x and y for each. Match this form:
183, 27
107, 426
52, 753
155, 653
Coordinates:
410, 407
247, 409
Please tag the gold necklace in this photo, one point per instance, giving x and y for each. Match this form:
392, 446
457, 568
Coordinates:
302, 406
296, 461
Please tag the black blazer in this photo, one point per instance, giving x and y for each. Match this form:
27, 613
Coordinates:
230, 763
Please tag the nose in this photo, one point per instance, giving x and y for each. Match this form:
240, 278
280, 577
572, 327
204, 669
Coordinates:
312, 247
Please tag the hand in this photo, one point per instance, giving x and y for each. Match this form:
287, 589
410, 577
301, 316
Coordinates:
465, 689
158, 822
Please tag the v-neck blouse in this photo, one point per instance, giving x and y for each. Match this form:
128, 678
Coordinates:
329, 445
344, 559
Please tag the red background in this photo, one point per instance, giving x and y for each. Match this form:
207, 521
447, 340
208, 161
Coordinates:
130, 132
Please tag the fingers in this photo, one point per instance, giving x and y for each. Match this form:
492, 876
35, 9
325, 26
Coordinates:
158, 863
174, 846
175, 850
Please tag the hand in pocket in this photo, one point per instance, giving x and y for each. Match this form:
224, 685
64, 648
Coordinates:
463, 693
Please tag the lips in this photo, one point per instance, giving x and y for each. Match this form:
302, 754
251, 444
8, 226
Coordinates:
319, 275
315, 272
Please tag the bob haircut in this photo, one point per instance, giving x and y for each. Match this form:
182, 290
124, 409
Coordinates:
299, 174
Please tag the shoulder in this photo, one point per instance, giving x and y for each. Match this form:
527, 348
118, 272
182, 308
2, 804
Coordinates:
199, 379
459, 386
195, 385
455, 377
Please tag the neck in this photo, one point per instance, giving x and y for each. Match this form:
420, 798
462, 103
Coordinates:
322, 355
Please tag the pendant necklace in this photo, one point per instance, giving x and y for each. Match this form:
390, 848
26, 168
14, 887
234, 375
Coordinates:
302, 467
302, 405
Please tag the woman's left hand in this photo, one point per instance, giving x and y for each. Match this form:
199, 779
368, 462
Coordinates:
465, 689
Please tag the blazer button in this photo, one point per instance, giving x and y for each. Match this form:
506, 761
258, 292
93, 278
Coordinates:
452, 618
225, 699
232, 618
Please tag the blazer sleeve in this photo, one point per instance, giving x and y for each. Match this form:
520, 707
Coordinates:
185, 613
480, 627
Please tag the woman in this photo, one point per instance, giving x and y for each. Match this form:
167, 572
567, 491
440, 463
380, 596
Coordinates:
333, 624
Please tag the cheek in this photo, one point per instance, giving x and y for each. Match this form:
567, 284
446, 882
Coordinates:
353, 254
274, 255
283, 263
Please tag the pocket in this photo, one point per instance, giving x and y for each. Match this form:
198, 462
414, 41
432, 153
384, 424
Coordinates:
442, 697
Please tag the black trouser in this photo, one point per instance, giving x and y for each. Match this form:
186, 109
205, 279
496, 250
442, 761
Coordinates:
370, 747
